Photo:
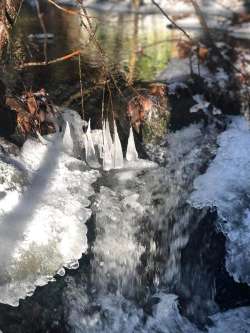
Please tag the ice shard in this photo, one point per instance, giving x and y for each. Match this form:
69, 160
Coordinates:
91, 158
107, 148
131, 154
108, 136
67, 141
117, 150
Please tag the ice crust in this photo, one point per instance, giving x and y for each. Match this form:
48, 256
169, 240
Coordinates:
226, 187
43, 210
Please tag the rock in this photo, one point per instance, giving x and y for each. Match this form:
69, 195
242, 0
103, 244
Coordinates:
7, 147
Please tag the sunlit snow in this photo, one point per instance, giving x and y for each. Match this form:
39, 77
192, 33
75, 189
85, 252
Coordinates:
43, 210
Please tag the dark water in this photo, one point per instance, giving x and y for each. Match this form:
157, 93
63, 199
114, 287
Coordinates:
140, 46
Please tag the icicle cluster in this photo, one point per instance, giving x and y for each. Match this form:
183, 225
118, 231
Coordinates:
111, 149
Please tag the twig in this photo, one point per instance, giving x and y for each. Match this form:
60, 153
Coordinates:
81, 85
203, 23
45, 44
171, 20
49, 62
68, 11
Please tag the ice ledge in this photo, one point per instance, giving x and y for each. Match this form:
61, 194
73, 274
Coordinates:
226, 187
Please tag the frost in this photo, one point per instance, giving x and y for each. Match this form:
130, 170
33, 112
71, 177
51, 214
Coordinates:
226, 186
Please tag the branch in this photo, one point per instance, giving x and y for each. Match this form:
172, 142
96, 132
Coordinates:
172, 21
68, 11
203, 23
53, 61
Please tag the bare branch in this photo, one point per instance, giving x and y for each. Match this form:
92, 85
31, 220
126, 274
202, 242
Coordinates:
53, 61
172, 21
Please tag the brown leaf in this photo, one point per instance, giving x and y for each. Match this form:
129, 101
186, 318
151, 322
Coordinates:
31, 103
203, 53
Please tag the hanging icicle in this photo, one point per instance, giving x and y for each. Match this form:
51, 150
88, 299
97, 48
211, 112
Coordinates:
107, 148
117, 150
108, 136
91, 158
131, 154
67, 141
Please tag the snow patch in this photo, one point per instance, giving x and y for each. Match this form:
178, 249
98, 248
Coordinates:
42, 216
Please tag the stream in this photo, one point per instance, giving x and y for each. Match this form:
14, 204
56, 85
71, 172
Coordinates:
159, 245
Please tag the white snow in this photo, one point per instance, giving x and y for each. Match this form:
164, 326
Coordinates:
240, 31
226, 187
42, 215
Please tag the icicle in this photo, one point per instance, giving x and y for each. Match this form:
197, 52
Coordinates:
67, 141
108, 137
131, 154
91, 158
107, 157
117, 150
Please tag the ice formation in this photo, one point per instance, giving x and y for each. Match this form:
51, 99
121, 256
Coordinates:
68, 144
226, 187
117, 150
91, 157
43, 206
107, 162
112, 153
131, 154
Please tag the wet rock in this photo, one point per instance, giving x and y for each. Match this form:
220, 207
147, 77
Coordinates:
7, 147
